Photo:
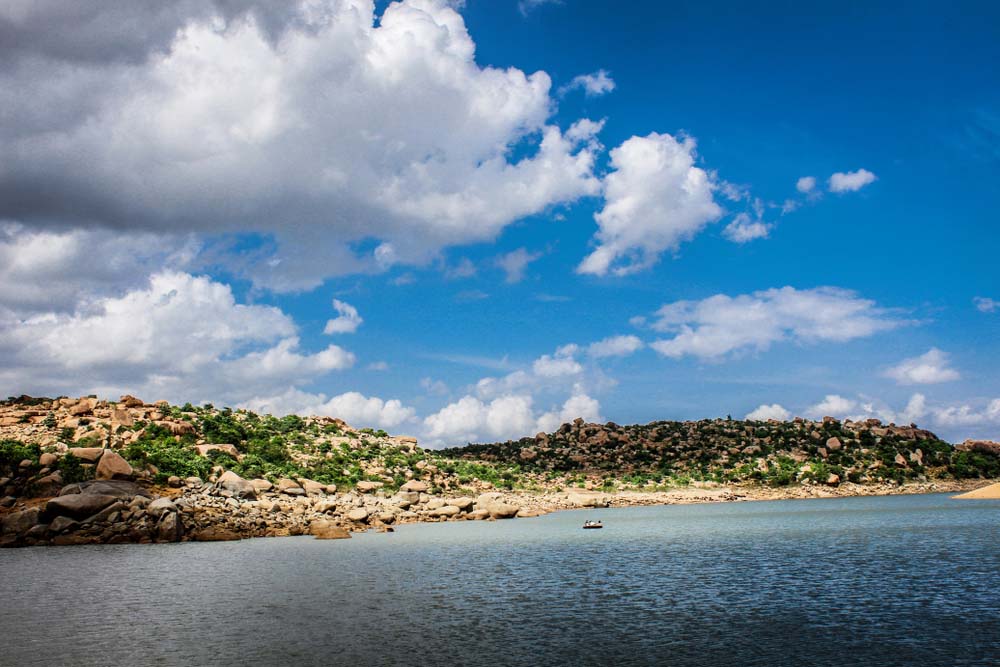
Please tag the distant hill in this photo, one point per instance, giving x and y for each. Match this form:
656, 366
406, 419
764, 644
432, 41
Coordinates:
725, 450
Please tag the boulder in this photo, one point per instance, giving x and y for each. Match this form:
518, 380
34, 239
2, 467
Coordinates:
261, 485
331, 489
415, 485
447, 510
86, 454
160, 506
203, 450
61, 524
170, 528
359, 515
486, 499
365, 486
900, 460
312, 488
77, 505
50, 485
236, 485
19, 522
327, 530
174, 482
113, 466
193, 482
833, 479
290, 487
84, 407
47, 459
130, 401
215, 534
833, 444
503, 511
464, 504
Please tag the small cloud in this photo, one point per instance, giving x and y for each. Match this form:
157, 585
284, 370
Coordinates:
806, 184
471, 295
528, 6
615, 346
551, 298
464, 269
515, 263
986, 305
432, 386
378, 366
852, 181
832, 405
347, 320
744, 229
405, 279
765, 412
593, 85
929, 368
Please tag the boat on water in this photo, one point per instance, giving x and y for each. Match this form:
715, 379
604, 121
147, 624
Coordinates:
590, 525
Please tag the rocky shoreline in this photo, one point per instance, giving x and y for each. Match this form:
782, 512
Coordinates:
116, 512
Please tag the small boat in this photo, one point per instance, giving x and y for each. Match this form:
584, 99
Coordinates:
589, 525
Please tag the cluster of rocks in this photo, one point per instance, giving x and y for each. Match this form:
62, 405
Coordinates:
94, 512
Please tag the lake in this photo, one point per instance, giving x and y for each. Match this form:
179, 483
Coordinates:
903, 580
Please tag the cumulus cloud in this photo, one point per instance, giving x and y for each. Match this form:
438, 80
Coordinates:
765, 412
317, 124
615, 346
515, 263
929, 368
356, 409
347, 320
593, 85
721, 324
986, 304
806, 184
655, 199
180, 337
832, 405
851, 181
471, 419
744, 229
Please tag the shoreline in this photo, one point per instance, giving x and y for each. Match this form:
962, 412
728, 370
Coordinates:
212, 513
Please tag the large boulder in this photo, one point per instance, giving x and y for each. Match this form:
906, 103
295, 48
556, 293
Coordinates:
161, 506
415, 485
118, 488
47, 459
232, 483
464, 504
360, 515
445, 511
170, 528
365, 486
50, 485
113, 466
311, 487
503, 510
77, 505
327, 530
19, 522
87, 454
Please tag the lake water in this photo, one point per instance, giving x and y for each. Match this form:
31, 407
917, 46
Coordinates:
905, 580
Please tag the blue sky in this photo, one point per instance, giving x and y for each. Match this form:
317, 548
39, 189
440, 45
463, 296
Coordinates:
520, 212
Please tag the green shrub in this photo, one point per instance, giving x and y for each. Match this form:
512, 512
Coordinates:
72, 470
12, 452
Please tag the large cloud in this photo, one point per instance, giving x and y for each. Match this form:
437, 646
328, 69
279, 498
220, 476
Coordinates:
929, 368
181, 337
307, 122
356, 409
721, 324
655, 198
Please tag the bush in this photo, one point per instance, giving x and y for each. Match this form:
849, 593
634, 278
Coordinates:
12, 452
72, 470
171, 457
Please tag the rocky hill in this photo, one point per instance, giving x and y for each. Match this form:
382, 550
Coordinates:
82, 470
731, 451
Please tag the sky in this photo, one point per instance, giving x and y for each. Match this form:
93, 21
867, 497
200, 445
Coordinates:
475, 221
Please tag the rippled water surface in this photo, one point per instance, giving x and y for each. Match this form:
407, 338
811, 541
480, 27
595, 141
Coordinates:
906, 580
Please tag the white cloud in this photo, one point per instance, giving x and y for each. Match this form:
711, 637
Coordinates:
180, 337
527, 6
986, 304
511, 416
464, 269
615, 346
968, 415
832, 405
379, 366
347, 320
515, 263
744, 229
719, 325
432, 386
765, 412
655, 198
851, 181
354, 408
577, 406
929, 368
316, 124
806, 184
552, 367
593, 85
